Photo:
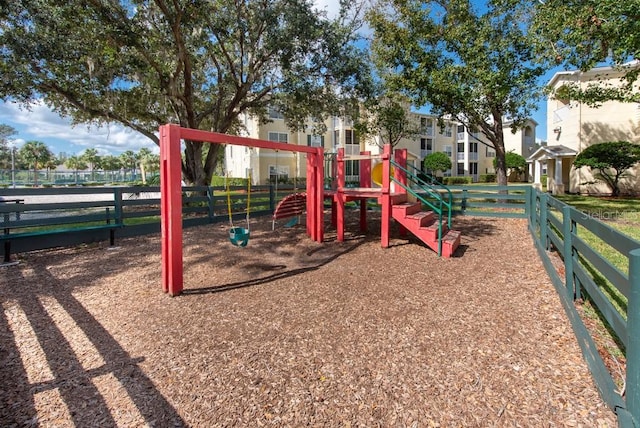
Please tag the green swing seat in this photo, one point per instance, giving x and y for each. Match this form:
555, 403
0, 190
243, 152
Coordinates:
239, 236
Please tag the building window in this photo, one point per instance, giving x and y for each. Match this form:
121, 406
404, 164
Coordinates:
315, 140
491, 153
460, 148
336, 138
351, 137
473, 147
473, 168
460, 169
280, 137
448, 130
426, 144
279, 173
426, 125
274, 113
448, 150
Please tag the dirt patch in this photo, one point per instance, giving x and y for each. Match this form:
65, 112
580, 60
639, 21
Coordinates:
289, 332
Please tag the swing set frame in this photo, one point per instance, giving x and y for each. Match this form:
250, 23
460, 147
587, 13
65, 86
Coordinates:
171, 192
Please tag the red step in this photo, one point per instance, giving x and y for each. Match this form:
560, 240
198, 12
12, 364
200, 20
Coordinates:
407, 208
424, 225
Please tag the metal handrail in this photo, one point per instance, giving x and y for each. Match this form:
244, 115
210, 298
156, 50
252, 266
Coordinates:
428, 188
435, 186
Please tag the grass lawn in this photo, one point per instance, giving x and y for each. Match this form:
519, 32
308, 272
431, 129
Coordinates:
622, 214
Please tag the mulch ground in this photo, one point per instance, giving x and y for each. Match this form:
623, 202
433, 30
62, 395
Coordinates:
289, 332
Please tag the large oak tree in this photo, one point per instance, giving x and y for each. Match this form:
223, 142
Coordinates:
468, 63
584, 34
197, 63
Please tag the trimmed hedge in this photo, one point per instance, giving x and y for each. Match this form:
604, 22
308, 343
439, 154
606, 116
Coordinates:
456, 180
487, 178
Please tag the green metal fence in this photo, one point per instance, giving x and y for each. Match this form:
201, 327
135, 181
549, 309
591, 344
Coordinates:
491, 201
136, 208
613, 288
557, 229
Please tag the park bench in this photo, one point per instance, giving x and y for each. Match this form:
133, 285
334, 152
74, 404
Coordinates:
57, 222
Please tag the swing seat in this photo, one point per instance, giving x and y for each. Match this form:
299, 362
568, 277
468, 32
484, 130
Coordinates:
239, 236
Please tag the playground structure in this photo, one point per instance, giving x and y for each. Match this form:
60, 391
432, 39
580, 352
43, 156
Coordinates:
392, 195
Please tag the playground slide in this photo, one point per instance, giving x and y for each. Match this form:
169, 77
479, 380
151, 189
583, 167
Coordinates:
376, 174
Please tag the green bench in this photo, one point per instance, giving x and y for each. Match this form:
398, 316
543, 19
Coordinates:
37, 221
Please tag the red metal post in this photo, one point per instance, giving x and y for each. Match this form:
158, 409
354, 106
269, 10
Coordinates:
400, 157
319, 201
310, 199
386, 198
340, 197
365, 181
171, 209
400, 175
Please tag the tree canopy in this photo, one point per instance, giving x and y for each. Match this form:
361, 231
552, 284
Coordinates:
514, 162
200, 64
468, 64
610, 161
387, 118
437, 161
586, 33
36, 154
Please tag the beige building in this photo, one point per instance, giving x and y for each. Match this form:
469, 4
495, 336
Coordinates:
469, 155
573, 126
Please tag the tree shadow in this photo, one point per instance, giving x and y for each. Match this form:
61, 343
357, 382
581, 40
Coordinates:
74, 383
473, 228
598, 132
275, 276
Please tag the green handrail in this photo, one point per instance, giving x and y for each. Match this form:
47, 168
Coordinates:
439, 204
432, 187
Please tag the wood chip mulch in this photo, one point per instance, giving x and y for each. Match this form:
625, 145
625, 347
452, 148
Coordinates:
289, 332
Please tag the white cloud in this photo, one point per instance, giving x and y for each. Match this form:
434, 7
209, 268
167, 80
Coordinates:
331, 6
40, 123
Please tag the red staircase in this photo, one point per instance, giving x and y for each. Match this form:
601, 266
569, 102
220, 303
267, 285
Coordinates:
424, 225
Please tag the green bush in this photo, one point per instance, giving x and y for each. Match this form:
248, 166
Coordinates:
221, 181
456, 180
543, 180
487, 178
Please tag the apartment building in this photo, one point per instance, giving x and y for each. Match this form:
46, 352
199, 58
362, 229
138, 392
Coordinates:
573, 126
470, 154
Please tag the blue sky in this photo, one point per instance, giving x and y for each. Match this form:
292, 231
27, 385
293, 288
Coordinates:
40, 123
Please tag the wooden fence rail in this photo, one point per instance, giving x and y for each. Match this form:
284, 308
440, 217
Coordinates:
614, 289
135, 209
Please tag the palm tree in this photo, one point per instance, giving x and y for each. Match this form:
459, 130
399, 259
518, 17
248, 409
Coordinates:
129, 160
35, 153
111, 163
90, 156
144, 154
75, 163
51, 164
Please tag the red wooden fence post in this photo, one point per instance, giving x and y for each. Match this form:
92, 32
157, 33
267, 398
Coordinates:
386, 197
171, 209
